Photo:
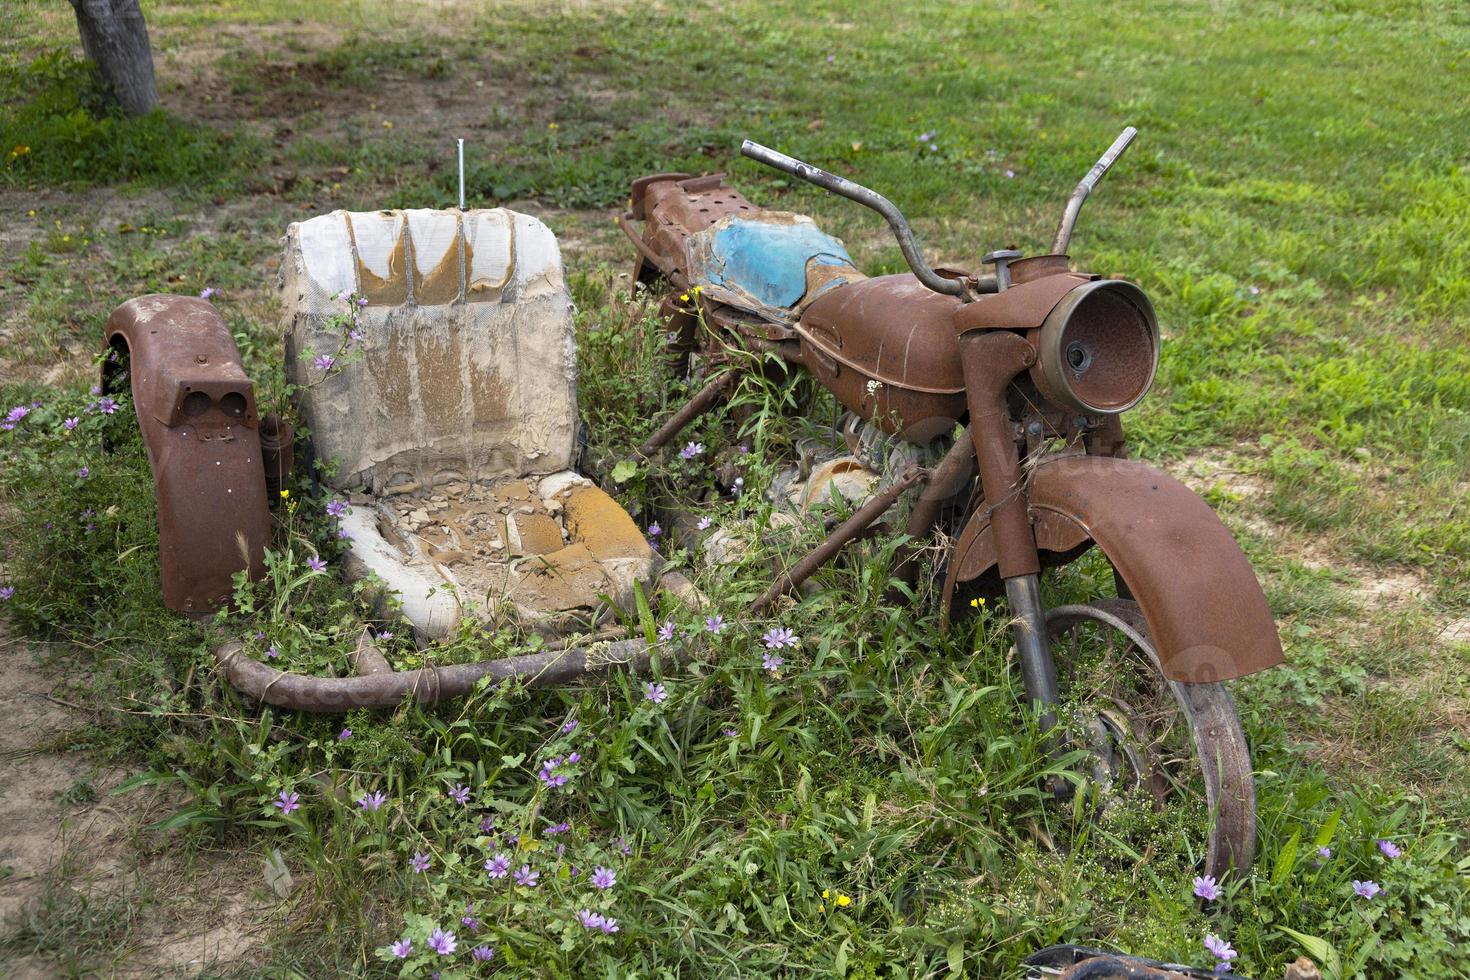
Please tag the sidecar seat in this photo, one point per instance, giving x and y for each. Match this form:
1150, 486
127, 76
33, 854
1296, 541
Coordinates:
444, 400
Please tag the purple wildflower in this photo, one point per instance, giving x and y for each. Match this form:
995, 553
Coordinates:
442, 942
336, 508
402, 948
1206, 887
459, 794
362, 301
558, 828
17, 413
106, 406
569, 726
324, 362
603, 878
691, 450
655, 692
654, 530
84, 472
623, 846
385, 634
344, 734
549, 776
498, 866
609, 925
370, 802
831, 58
771, 662
703, 524
730, 732
1366, 889
7, 592
316, 564
526, 877
714, 623
926, 137
590, 919
1389, 849
468, 920
487, 825
1323, 853
288, 802
208, 292
271, 652
1219, 948
779, 636
666, 631
343, 535
354, 336
419, 863
483, 954
574, 758
1010, 175
72, 423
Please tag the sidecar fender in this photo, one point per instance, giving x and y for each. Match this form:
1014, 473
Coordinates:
196, 407
1198, 593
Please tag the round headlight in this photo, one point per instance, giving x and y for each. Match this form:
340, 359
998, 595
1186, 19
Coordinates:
1099, 348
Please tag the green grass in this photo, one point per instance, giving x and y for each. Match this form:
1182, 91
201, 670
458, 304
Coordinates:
1297, 205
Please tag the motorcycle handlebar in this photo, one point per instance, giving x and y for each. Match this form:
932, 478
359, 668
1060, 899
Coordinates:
868, 198
1085, 186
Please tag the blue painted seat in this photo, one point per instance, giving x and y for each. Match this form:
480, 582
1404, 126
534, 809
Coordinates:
771, 263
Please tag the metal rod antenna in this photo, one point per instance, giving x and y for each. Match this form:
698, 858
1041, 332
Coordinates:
868, 198
1084, 188
461, 173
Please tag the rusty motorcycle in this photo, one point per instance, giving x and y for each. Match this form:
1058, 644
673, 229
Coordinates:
1013, 381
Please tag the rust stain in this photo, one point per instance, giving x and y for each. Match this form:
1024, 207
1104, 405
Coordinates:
440, 384
390, 291
440, 285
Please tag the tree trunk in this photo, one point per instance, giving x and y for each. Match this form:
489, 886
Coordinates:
116, 39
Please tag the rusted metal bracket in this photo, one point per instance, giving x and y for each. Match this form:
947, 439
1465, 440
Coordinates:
705, 399
844, 533
196, 407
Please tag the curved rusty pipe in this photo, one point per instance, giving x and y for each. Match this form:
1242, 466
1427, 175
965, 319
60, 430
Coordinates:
426, 685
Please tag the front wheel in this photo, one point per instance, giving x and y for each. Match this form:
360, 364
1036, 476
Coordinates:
1181, 744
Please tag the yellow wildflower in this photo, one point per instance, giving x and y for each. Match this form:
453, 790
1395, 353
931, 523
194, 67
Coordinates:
844, 901
824, 893
976, 603
285, 493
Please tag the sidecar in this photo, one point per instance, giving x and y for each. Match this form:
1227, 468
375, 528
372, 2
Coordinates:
434, 362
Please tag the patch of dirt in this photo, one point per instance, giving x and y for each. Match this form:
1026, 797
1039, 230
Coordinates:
60, 830
1456, 633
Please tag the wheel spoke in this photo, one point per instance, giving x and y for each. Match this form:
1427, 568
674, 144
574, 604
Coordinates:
1182, 743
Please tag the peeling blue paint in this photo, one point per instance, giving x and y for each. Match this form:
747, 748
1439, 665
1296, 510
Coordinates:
766, 260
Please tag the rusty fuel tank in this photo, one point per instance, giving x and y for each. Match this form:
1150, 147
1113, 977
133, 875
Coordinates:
196, 407
887, 348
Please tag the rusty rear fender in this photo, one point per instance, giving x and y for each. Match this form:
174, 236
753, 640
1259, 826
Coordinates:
1199, 595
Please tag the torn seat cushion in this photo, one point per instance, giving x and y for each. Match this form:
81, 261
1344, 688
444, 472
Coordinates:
544, 555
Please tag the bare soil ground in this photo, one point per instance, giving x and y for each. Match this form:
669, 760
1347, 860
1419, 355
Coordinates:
84, 886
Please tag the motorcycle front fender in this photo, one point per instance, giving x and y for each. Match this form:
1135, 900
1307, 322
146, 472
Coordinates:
1198, 593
